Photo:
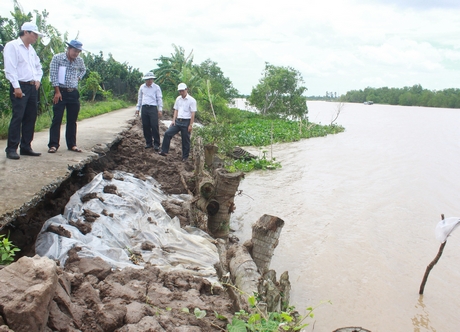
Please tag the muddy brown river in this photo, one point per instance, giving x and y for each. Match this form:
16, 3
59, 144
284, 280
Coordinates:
360, 209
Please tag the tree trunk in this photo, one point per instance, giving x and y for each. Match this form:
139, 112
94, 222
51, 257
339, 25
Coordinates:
206, 187
226, 185
265, 234
198, 156
209, 152
269, 291
285, 289
210, 206
243, 270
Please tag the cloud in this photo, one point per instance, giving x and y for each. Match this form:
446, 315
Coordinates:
336, 45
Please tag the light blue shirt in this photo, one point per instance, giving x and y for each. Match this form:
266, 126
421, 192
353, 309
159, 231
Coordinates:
150, 95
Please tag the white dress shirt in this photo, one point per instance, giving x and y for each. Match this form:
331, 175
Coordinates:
185, 106
21, 63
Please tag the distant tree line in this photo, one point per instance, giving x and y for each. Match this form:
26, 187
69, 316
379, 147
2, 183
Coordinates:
329, 96
407, 96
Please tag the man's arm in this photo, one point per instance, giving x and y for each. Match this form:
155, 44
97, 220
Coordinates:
54, 69
82, 70
192, 119
11, 63
159, 99
173, 123
139, 100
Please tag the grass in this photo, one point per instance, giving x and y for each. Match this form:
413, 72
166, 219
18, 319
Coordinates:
242, 128
87, 110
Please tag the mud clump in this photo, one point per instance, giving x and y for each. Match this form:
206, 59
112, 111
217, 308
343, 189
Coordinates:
111, 189
90, 216
84, 228
59, 230
90, 196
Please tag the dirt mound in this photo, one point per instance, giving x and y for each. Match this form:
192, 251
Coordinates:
90, 297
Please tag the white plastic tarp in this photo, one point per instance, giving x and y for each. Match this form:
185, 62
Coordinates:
445, 227
137, 217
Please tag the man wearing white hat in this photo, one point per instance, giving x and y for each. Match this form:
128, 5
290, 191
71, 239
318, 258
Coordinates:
66, 70
24, 71
150, 103
183, 118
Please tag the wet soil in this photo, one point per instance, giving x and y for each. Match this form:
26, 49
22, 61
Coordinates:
175, 177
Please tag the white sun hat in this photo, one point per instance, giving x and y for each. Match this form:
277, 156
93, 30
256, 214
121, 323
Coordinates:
149, 76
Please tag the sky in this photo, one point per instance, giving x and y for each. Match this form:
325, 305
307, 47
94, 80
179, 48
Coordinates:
336, 45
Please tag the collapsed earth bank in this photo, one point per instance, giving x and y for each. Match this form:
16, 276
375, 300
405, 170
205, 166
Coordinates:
36, 294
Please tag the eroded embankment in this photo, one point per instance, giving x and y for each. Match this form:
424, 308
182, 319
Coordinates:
127, 154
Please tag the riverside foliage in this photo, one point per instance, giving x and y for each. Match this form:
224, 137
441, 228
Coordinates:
408, 96
243, 128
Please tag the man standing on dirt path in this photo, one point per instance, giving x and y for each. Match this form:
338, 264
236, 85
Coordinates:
24, 71
150, 103
66, 69
183, 118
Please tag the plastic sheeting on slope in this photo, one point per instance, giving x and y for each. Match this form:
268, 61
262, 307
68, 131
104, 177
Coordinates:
137, 217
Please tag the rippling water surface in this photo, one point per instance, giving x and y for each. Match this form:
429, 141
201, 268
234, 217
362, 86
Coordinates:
360, 209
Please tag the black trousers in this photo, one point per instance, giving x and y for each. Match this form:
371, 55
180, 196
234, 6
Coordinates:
71, 102
182, 127
22, 125
149, 116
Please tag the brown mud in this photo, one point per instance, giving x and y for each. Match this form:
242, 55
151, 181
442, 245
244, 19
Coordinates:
166, 296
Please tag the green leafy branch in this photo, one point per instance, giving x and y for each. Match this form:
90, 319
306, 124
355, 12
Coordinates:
7, 250
258, 320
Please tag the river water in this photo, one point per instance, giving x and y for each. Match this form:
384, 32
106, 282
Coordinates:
360, 211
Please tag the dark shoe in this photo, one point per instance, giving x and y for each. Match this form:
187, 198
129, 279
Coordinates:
156, 148
12, 155
29, 153
162, 154
148, 146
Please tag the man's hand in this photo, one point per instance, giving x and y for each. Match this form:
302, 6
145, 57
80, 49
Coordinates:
37, 85
136, 113
160, 113
190, 128
18, 93
57, 97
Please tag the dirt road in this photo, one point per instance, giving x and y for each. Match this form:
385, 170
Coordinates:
23, 182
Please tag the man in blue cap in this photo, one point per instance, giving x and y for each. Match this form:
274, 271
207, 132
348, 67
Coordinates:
66, 70
24, 71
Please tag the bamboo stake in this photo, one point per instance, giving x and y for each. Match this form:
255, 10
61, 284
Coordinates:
432, 264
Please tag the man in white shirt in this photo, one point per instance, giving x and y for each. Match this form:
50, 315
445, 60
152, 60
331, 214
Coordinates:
183, 118
150, 102
24, 71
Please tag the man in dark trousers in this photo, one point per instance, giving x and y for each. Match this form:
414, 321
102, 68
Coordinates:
183, 118
66, 70
24, 71
150, 103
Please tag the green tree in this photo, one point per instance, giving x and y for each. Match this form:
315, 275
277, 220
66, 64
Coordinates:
280, 92
92, 84
175, 69
209, 70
